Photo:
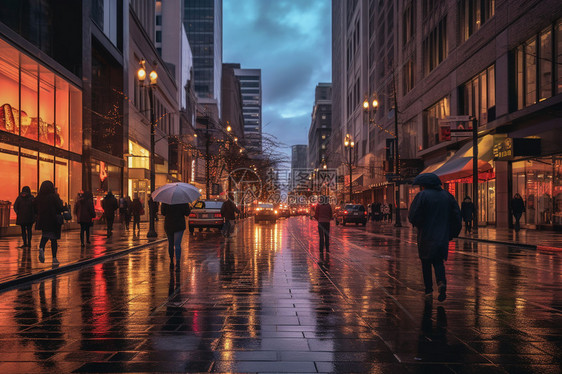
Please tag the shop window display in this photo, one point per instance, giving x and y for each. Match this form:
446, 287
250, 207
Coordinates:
46, 168
28, 176
75, 125
9, 161
27, 110
61, 114
61, 178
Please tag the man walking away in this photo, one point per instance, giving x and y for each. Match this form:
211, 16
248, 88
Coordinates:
48, 206
124, 211
109, 205
174, 226
323, 215
467, 213
25, 215
436, 215
136, 210
517, 209
228, 212
85, 213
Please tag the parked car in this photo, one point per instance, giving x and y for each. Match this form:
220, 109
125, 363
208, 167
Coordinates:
205, 214
283, 211
351, 213
265, 212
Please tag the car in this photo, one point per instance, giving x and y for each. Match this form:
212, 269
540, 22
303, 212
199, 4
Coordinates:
351, 213
283, 211
206, 214
265, 212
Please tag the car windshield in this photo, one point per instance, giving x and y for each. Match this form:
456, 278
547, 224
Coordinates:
359, 208
207, 205
265, 206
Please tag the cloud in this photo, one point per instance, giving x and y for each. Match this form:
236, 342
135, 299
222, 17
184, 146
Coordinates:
290, 40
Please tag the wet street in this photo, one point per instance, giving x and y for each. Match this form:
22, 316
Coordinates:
265, 301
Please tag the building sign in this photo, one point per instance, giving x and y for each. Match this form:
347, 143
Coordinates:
503, 148
506, 148
410, 167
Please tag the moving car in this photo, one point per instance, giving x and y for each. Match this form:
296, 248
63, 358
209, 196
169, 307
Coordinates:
265, 212
206, 214
351, 213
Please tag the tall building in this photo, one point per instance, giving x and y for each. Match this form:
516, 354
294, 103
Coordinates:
203, 23
232, 114
496, 61
250, 85
320, 127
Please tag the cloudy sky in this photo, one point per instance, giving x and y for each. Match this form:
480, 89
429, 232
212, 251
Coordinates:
290, 41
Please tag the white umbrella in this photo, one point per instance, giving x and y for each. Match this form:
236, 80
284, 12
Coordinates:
176, 193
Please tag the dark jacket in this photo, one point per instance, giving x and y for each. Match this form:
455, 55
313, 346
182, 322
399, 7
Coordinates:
436, 215
24, 209
229, 210
323, 213
175, 217
467, 210
517, 206
136, 209
48, 208
84, 210
109, 204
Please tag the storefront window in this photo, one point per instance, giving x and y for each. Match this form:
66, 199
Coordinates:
62, 113
9, 76
9, 162
46, 120
28, 176
28, 109
61, 178
46, 168
75, 120
75, 181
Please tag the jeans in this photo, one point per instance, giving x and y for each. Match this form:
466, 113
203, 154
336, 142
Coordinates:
26, 233
109, 220
324, 232
468, 225
85, 228
54, 245
517, 218
174, 240
227, 227
136, 223
439, 268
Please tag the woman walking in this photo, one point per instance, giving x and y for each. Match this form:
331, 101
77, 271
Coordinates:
137, 211
174, 225
48, 206
85, 212
467, 213
25, 215
517, 209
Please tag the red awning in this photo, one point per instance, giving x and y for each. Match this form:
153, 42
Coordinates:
460, 168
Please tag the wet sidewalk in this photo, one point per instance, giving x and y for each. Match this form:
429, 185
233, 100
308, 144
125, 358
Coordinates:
22, 264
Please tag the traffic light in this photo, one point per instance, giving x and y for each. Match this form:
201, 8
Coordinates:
444, 133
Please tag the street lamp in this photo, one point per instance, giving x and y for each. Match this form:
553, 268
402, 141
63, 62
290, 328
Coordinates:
370, 109
349, 144
153, 80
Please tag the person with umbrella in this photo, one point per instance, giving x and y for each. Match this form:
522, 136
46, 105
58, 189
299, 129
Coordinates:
436, 215
175, 199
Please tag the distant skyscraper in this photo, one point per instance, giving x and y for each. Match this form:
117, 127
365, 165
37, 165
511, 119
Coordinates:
250, 86
320, 126
203, 24
299, 158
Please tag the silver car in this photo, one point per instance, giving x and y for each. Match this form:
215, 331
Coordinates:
206, 214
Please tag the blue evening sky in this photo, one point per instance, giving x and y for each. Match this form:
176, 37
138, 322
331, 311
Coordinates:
290, 41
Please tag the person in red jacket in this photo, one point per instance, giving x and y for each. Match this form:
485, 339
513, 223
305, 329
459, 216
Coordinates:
323, 215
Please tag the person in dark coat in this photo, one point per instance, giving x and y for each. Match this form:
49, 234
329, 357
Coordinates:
23, 207
124, 211
467, 213
109, 205
48, 206
128, 212
136, 210
377, 210
228, 212
174, 226
390, 209
324, 215
436, 215
517, 209
85, 213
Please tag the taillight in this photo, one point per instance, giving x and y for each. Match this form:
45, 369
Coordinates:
217, 215
193, 215
345, 212
365, 213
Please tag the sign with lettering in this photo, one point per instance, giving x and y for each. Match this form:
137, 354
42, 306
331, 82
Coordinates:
503, 148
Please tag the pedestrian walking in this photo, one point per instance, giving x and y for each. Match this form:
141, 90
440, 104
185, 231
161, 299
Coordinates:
152, 208
23, 206
467, 213
324, 215
128, 213
174, 226
85, 213
377, 211
124, 211
385, 212
390, 209
109, 205
136, 210
228, 212
436, 215
517, 209
48, 206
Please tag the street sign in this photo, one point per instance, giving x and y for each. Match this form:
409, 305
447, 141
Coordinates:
392, 177
456, 119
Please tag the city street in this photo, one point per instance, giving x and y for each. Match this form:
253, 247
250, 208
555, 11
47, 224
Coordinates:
265, 301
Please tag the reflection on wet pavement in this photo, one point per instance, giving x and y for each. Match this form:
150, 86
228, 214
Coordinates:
265, 300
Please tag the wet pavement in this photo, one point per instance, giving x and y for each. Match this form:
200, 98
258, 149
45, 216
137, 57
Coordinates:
265, 301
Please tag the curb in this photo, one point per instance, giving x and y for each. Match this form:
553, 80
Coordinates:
7, 285
513, 244
546, 248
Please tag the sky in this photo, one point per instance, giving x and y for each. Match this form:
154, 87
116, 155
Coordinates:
290, 41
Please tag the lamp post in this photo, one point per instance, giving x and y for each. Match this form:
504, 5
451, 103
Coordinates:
370, 109
349, 144
153, 76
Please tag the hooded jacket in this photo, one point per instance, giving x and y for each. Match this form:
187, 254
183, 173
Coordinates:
48, 206
436, 215
23, 206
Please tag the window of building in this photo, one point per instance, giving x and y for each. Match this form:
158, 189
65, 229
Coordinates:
408, 23
479, 96
158, 36
435, 47
534, 67
409, 75
473, 14
159, 20
432, 115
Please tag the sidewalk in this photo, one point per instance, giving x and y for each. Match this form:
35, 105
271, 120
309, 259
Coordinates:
22, 264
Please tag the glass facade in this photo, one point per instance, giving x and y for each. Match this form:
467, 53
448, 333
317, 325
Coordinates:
539, 182
40, 127
431, 118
